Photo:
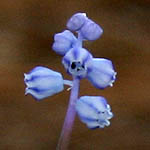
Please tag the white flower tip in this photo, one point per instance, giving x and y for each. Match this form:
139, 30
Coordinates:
114, 75
110, 115
25, 74
107, 123
26, 91
108, 107
84, 14
111, 85
114, 78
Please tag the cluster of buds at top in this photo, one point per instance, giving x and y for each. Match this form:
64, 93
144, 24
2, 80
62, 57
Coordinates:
42, 82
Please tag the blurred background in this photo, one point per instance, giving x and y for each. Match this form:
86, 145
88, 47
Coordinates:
27, 28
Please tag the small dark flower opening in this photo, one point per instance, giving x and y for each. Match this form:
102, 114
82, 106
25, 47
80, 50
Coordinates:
77, 66
73, 65
101, 112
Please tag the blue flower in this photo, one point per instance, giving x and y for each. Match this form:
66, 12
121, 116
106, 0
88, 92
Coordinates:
42, 82
101, 73
90, 30
94, 111
63, 42
76, 61
76, 21
82, 24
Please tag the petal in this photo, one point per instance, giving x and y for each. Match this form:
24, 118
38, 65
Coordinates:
63, 42
39, 94
42, 71
65, 34
93, 125
101, 73
91, 31
76, 21
43, 82
93, 111
76, 61
61, 47
85, 110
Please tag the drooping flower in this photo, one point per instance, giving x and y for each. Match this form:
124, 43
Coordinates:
42, 82
94, 111
101, 73
76, 61
63, 42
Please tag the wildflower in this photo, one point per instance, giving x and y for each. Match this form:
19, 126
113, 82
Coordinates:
101, 73
76, 61
94, 111
88, 29
63, 42
43, 82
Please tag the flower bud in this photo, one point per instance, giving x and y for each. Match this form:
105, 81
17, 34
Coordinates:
76, 21
90, 30
101, 73
76, 61
63, 42
42, 82
94, 111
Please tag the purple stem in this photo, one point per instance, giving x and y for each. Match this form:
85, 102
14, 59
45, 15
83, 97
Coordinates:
70, 117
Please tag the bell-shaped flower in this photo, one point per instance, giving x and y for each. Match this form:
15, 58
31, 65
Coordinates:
101, 73
90, 30
76, 62
76, 21
42, 82
94, 111
63, 42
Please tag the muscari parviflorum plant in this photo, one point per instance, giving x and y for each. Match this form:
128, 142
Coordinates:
42, 82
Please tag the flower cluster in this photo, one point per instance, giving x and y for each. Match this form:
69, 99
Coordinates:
79, 63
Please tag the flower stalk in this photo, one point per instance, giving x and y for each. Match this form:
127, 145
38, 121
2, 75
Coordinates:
70, 117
